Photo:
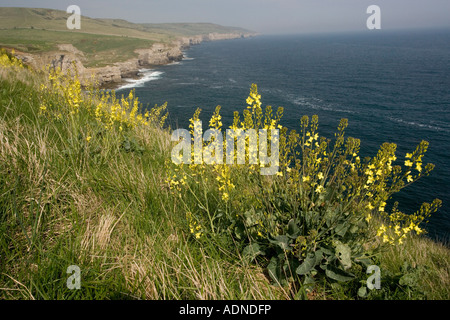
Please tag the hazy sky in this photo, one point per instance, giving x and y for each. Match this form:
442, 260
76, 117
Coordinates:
265, 16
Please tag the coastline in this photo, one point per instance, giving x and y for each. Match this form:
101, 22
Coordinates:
117, 75
133, 77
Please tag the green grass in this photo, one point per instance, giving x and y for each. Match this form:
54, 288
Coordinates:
110, 214
108, 210
99, 50
49, 19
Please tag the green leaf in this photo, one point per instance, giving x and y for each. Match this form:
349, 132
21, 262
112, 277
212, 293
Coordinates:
354, 229
272, 269
276, 270
338, 274
307, 265
282, 241
362, 292
409, 279
341, 229
293, 230
344, 254
250, 218
252, 251
365, 261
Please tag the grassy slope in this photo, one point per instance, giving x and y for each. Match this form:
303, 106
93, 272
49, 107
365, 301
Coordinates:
102, 40
101, 208
108, 211
98, 50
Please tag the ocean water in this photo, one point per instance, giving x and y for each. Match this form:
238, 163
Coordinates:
391, 86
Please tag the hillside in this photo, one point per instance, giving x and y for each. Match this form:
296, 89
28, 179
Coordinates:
109, 48
55, 20
86, 180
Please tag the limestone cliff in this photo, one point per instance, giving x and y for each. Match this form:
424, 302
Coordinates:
159, 54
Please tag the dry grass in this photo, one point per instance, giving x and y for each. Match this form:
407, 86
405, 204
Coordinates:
432, 258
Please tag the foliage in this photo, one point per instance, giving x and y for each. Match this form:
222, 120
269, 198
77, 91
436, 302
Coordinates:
319, 216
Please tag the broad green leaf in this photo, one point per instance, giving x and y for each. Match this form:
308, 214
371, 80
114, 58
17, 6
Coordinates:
276, 270
252, 251
307, 265
344, 254
338, 274
365, 261
293, 230
273, 270
341, 229
282, 241
362, 292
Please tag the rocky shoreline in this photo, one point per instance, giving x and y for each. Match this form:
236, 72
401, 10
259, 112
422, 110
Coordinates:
112, 76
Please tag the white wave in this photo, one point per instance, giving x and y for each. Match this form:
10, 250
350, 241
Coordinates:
317, 104
146, 76
417, 124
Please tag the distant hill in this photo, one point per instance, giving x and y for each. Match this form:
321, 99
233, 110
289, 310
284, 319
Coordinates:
34, 30
55, 20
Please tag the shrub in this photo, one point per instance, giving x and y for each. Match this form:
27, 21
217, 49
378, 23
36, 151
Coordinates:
322, 216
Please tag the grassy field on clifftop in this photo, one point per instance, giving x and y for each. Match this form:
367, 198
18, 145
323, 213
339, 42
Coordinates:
103, 41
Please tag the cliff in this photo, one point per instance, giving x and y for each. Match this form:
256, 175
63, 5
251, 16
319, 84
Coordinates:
158, 54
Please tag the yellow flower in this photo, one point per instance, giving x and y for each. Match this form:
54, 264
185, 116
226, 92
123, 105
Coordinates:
419, 166
408, 156
381, 230
320, 175
418, 230
408, 163
225, 196
88, 138
368, 218
305, 179
319, 189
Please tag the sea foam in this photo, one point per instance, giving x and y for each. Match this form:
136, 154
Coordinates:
146, 76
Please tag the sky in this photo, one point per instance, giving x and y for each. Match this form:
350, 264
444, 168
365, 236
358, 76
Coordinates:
264, 16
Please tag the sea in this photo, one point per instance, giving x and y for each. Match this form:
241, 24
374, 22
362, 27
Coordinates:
392, 86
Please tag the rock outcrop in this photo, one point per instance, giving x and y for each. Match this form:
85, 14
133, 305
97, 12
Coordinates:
67, 57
